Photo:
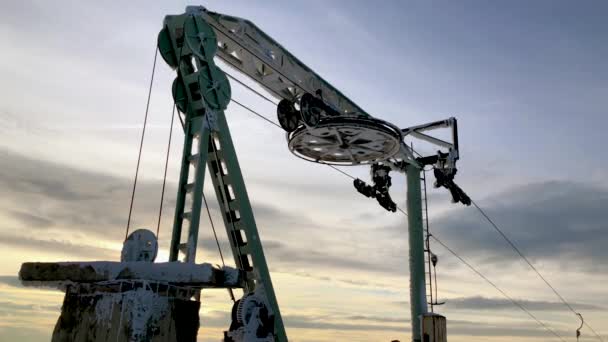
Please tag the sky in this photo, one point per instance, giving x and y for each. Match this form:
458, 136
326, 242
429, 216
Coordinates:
527, 81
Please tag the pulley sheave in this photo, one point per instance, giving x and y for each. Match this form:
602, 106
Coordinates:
214, 86
180, 97
311, 109
289, 117
165, 47
346, 141
200, 38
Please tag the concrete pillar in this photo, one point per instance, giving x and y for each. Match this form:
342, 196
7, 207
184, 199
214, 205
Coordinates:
136, 314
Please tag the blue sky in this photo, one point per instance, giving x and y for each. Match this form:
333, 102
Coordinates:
528, 82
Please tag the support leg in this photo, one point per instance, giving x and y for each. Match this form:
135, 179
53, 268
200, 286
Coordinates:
416, 245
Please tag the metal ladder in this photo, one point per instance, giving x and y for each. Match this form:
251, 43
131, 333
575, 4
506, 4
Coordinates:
431, 294
202, 92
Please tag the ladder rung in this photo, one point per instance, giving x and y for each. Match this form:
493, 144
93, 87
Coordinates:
183, 247
189, 187
187, 215
194, 159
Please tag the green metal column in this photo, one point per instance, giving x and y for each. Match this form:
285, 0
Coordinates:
195, 131
202, 91
418, 303
239, 220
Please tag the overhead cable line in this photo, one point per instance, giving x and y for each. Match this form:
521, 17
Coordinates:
217, 241
255, 113
513, 301
342, 172
434, 237
250, 88
141, 144
402, 211
162, 193
521, 254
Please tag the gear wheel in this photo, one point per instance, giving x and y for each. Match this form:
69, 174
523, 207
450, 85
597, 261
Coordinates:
245, 308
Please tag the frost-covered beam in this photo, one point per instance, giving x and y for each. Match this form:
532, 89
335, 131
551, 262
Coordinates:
58, 274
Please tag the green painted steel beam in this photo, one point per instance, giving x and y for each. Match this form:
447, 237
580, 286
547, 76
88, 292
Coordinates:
202, 91
418, 304
237, 201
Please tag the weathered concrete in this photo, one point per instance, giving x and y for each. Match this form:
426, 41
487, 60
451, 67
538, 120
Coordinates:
137, 314
128, 301
61, 273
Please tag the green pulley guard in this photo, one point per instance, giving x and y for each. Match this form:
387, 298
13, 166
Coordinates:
216, 93
200, 38
179, 94
165, 48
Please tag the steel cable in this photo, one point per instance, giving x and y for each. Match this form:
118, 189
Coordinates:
434, 237
141, 144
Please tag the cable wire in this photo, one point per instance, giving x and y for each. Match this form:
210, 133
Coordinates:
256, 113
162, 193
217, 241
436, 239
596, 334
250, 88
223, 186
342, 172
496, 287
521, 254
141, 145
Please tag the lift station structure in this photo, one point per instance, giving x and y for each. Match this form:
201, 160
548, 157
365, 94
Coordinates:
322, 125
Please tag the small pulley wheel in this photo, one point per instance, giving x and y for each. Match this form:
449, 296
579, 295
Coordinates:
310, 110
288, 116
215, 86
165, 47
180, 97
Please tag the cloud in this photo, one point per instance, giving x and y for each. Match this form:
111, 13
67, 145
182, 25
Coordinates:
305, 322
92, 207
506, 329
24, 333
567, 219
477, 303
10, 280
57, 246
338, 322
325, 322
559, 222
31, 220
10, 308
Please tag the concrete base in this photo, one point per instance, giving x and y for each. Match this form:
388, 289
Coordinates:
133, 313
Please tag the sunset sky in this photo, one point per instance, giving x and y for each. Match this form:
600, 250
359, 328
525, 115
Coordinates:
528, 82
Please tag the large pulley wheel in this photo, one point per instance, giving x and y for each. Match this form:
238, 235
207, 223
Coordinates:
214, 86
310, 110
346, 141
289, 117
140, 245
200, 38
